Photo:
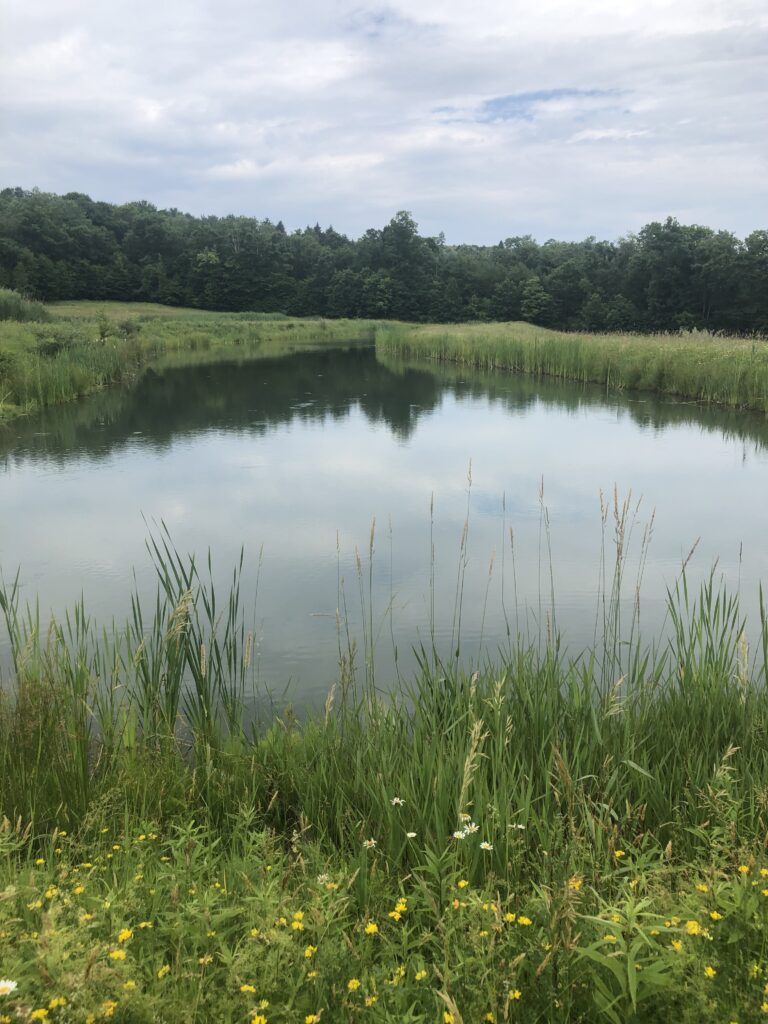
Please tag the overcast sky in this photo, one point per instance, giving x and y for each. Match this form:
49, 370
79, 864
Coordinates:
485, 119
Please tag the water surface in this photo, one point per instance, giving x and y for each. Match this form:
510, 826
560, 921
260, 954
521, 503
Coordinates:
295, 458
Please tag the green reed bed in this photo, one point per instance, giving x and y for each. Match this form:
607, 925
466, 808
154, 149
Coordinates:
698, 366
85, 347
550, 839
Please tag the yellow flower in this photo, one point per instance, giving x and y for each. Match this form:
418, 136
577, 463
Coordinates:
401, 906
702, 887
309, 952
353, 984
395, 915
38, 1014
129, 985
85, 918
744, 869
618, 854
145, 924
108, 1007
764, 872
764, 892
516, 994
371, 928
312, 1018
50, 892
370, 1000
124, 935
693, 927
448, 1018
331, 886
710, 971
462, 883
575, 883
524, 921
421, 975
299, 915
247, 988
311, 974
56, 1002
510, 918
117, 954
715, 915
205, 960
263, 1004
258, 1018
677, 945
165, 969
489, 1017
254, 933
610, 938
78, 889
764, 1007
298, 926
616, 918
40, 861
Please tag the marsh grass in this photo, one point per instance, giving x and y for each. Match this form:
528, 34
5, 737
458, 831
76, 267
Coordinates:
89, 349
697, 366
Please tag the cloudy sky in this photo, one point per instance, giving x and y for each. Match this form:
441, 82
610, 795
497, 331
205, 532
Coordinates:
485, 119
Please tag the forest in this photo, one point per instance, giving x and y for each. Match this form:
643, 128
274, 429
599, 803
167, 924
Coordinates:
666, 277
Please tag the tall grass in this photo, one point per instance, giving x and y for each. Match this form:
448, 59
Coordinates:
14, 306
623, 743
71, 357
698, 366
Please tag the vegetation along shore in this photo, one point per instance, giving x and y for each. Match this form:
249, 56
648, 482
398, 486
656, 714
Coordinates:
548, 839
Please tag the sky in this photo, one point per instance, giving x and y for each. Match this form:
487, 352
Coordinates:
486, 120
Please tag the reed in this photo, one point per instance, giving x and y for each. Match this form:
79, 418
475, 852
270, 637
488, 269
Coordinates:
698, 366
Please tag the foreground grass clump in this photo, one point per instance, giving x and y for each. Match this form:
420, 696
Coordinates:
698, 366
85, 347
551, 839
14, 306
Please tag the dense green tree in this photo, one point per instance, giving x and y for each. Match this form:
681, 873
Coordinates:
667, 277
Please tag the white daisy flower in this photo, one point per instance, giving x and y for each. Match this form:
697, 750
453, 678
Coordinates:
368, 844
459, 834
411, 835
486, 846
7, 986
397, 801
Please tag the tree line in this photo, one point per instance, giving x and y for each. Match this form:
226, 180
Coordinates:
668, 276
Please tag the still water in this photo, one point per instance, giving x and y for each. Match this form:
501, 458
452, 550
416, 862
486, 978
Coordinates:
295, 458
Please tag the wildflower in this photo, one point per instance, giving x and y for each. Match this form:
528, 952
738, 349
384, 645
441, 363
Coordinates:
40, 861
448, 1018
633, 884
518, 826
610, 938
38, 1014
471, 828
510, 918
368, 844
524, 921
248, 988
410, 835
370, 1000
165, 969
677, 945
254, 933
78, 889
124, 935
311, 974
465, 817
309, 952
764, 1006
263, 1004
145, 924
130, 984
702, 887
715, 915
35, 905
108, 1007
85, 918
117, 954
693, 927
744, 869
459, 834
710, 971
371, 928
50, 892
489, 1017
764, 872
486, 846
401, 906
575, 883
616, 918
397, 801
258, 1018
515, 994
455, 904
395, 915
764, 892
618, 854
312, 1018
353, 984
420, 975
331, 886
298, 926
299, 915
462, 883
205, 960
7, 986
56, 1002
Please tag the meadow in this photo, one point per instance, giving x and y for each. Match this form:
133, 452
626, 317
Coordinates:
698, 366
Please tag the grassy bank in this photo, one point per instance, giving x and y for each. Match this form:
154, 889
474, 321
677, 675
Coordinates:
701, 367
551, 839
84, 347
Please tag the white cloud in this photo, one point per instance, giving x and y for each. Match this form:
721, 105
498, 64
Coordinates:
347, 112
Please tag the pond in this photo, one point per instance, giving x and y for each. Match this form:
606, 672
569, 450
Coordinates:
295, 458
